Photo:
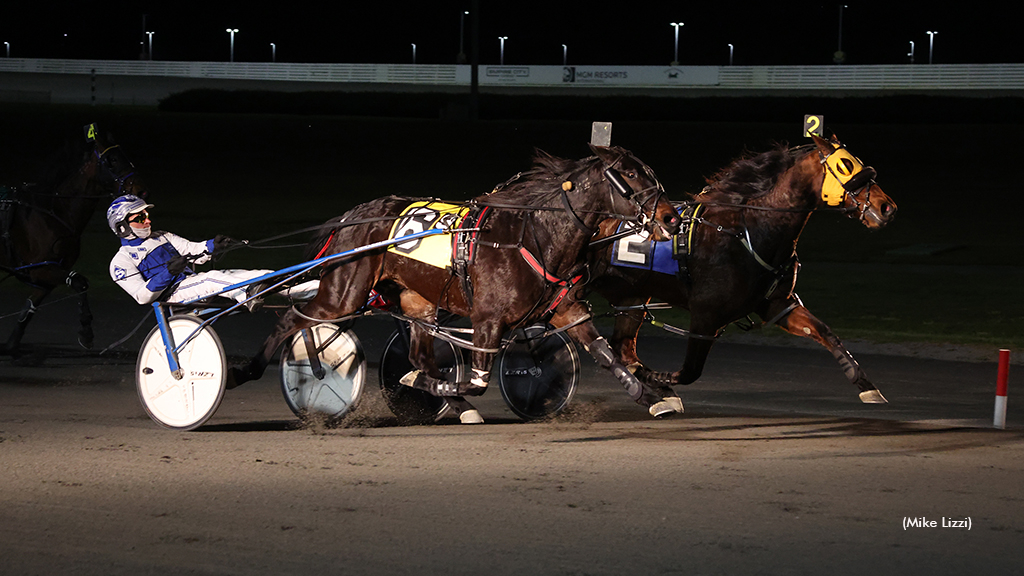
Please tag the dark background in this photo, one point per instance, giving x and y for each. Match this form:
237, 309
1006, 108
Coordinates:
634, 33
948, 269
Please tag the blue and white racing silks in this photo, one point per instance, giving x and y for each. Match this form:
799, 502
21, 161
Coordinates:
140, 265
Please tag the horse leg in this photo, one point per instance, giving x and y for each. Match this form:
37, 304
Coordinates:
623, 343
80, 284
800, 322
697, 350
703, 332
624, 335
587, 335
33, 302
342, 291
421, 343
427, 376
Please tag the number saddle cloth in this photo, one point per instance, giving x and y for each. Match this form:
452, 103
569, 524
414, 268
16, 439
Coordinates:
641, 251
440, 250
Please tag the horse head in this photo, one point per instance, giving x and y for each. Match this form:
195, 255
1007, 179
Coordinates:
636, 191
848, 183
113, 170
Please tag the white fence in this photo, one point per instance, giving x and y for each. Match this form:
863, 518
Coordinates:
146, 82
894, 77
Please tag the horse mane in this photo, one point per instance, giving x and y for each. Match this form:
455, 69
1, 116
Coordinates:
751, 175
56, 167
543, 181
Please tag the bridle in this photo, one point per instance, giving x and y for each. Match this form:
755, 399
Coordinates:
638, 198
108, 167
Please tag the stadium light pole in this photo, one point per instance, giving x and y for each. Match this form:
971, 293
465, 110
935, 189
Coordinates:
911, 53
273, 52
501, 60
730, 54
7, 45
414, 53
461, 57
565, 55
675, 52
839, 48
232, 32
150, 34
839, 57
931, 44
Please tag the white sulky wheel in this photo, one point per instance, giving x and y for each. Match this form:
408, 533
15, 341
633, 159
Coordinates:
538, 376
341, 357
187, 403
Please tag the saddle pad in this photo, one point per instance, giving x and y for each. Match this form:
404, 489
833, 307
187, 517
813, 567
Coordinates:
640, 251
421, 216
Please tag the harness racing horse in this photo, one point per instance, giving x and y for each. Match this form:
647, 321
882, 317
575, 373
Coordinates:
736, 255
41, 230
514, 255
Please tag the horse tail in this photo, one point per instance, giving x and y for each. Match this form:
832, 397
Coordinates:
320, 243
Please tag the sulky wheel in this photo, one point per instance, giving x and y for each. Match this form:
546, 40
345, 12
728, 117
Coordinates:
409, 405
329, 385
188, 402
538, 374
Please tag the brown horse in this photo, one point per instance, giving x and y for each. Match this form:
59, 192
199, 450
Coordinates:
737, 256
41, 229
522, 249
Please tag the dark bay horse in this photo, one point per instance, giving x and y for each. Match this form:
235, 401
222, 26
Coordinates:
737, 256
524, 249
41, 225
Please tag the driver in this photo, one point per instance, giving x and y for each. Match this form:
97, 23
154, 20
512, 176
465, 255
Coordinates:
154, 265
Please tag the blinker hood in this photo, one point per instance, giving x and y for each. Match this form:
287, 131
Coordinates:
843, 173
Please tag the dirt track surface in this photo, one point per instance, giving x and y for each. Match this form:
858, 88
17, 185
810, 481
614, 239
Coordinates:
775, 468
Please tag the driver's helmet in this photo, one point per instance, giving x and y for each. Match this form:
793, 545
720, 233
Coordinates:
120, 209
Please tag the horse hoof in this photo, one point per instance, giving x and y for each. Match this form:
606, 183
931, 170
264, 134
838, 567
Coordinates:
662, 409
467, 413
235, 378
409, 379
872, 397
471, 417
675, 402
87, 344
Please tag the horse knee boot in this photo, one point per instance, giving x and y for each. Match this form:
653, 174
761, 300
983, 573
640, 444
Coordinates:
420, 381
602, 352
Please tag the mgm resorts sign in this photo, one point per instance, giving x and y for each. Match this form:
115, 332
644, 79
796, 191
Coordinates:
622, 76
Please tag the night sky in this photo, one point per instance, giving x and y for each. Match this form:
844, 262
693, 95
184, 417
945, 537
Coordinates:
612, 33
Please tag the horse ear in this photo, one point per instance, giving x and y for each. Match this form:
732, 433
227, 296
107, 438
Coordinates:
824, 146
605, 153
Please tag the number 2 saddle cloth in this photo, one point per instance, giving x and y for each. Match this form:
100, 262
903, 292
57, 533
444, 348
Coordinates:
640, 251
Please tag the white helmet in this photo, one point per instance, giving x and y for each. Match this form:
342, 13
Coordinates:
120, 209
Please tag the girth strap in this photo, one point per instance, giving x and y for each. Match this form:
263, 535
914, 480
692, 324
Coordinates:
565, 284
463, 244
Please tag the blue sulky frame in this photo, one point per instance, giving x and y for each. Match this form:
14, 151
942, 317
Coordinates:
171, 348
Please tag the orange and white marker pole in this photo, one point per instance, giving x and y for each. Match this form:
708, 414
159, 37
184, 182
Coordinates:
1002, 382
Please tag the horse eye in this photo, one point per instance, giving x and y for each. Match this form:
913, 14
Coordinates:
848, 164
631, 174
